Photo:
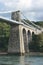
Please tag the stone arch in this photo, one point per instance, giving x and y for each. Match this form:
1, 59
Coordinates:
24, 40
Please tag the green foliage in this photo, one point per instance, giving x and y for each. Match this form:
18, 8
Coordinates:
40, 23
37, 43
4, 35
41, 42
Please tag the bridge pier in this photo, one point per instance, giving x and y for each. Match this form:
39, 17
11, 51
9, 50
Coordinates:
16, 45
14, 42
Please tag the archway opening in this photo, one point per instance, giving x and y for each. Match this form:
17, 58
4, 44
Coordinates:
25, 40
29, 38
31, 45
33, 35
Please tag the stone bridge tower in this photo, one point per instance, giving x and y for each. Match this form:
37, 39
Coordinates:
16, 16
18, 43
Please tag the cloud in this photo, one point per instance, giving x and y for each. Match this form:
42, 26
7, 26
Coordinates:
17, 4
32, 9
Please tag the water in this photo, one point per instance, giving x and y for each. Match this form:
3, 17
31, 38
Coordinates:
21, 60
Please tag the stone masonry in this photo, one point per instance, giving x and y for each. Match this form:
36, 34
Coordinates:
14, 42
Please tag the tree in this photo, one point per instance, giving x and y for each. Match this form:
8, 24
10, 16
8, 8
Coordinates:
37, 43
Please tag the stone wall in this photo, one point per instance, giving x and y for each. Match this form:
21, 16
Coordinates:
14, 42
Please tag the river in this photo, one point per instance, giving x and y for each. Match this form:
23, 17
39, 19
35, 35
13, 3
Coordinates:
21, 60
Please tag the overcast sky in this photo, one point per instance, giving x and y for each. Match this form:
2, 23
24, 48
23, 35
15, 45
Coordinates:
32, 9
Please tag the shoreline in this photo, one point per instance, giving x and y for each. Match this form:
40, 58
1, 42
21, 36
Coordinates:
35, 54
30, 53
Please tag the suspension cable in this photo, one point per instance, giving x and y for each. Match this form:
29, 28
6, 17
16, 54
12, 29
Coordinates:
30, 21
6, 12
26, 23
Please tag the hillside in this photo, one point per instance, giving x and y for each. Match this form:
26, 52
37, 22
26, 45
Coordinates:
39, 23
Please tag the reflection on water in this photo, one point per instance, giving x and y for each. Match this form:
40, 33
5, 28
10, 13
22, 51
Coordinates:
21, 60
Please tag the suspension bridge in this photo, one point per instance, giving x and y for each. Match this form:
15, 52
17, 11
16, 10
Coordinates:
21, 32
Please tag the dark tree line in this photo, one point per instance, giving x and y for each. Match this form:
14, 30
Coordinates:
37, 43
4, 36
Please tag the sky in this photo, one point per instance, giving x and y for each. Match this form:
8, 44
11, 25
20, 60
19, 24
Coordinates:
32, 9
